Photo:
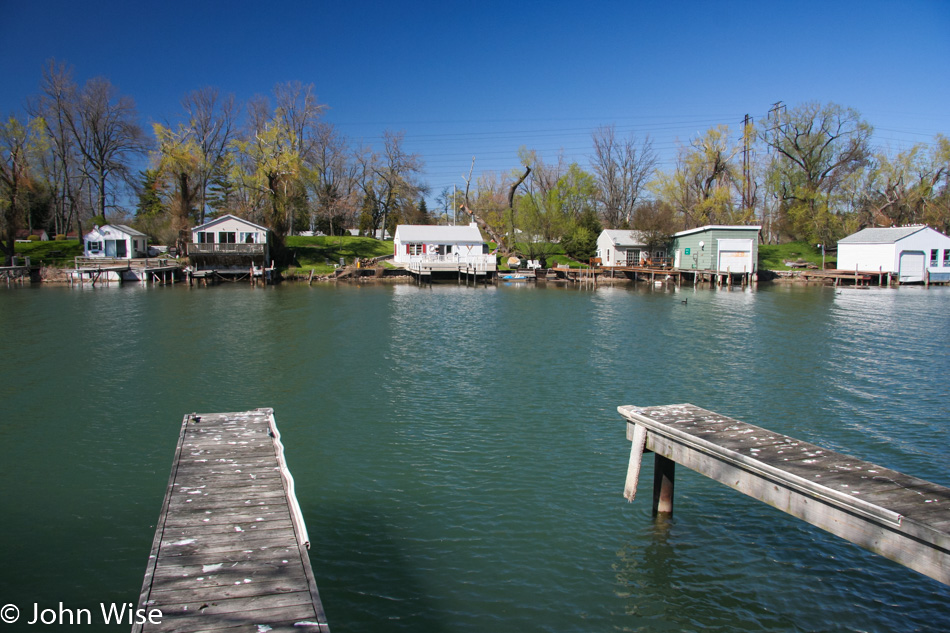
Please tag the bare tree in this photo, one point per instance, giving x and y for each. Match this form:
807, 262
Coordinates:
211, 126
622, 168
397, 175
486, 210
297, 105
332, 176
62, 163
107, 134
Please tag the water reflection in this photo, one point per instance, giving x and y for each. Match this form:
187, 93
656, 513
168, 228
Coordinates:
458, 453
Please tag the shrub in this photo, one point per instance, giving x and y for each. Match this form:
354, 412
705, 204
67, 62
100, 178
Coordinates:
34, 238
59, 237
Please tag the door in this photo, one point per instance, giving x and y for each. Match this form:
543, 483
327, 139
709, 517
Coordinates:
121, 249
735, 256
911, 266
110, 248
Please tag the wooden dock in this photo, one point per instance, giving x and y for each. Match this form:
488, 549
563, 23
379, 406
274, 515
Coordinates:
103, 269
903, 518
230, 546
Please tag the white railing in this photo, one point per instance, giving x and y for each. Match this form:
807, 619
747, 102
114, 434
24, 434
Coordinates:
427, 266
244, 249
452, 259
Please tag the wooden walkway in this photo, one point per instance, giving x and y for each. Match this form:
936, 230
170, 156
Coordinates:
230, 546
903, 518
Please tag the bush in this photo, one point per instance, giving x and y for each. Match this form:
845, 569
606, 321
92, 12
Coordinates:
59, 237
34, 238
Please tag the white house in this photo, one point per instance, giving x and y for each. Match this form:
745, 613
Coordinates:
911, 252
115, 240
623, 247
447, 245
232, 236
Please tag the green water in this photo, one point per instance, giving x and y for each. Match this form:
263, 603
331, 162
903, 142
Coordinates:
457, 451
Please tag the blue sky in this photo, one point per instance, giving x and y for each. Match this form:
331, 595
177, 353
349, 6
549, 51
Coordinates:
485, 78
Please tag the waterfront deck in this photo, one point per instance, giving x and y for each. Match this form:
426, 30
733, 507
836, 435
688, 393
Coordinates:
103, 269
856, 277
230, 546
17, 274
898, 516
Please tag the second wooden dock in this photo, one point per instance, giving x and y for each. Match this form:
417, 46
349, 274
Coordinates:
230, 547
898, 516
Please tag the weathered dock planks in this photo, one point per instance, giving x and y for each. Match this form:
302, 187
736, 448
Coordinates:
898, 516
230, 546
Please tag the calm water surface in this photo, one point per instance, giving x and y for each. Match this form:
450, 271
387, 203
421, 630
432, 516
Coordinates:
457, 451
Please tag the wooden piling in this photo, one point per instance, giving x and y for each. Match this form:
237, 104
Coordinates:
664, 471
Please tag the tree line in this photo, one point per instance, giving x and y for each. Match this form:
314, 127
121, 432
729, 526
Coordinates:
808, 172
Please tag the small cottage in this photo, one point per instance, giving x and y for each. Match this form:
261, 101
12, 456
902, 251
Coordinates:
719, 248
624, 247
25, 235
913, 253
233, 238
117, 241
441, 244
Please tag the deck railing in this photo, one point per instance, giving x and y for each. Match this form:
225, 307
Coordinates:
229, 249
480, 260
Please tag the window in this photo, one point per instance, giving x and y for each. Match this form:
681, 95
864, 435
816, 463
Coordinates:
414, 249
633, 256
226, 237
247, 238
933, 257
94, 247
946, 258
205, 237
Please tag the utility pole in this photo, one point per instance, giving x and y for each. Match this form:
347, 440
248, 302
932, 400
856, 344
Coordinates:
772, 130
774, 111
746, 162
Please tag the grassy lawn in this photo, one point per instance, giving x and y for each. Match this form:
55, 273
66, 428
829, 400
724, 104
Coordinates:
774, 256
63, 252
313, 253
557, 257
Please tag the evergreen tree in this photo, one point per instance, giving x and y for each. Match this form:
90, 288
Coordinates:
581, 242
423, 216
221, 188
150, 202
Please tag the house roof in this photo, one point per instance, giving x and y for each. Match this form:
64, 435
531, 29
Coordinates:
120, 228
127, 229
438, 234
719, 227
229, 216
879, 235
625, 237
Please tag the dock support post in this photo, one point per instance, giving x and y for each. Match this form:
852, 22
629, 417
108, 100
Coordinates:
664, 470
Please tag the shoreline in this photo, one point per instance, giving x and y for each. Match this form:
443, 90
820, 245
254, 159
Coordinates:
59, 276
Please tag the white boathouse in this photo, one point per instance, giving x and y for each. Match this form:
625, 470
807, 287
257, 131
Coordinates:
913, 253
